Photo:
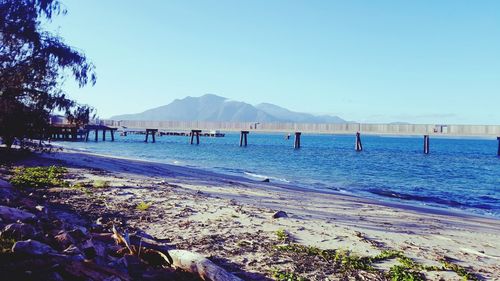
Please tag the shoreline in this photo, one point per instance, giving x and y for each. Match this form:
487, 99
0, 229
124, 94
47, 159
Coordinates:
409, 205
231, 219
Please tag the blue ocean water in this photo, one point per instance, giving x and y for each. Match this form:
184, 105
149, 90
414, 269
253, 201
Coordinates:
458, 173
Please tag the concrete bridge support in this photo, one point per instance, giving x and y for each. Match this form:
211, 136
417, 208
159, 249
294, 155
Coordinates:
358, 145
152, 132
426, 144
244, 138
197, 134
296, 143
498, 152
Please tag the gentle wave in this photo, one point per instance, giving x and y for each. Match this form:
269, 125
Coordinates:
432, 200
266, 177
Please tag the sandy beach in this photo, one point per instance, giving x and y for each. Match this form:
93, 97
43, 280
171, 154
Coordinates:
230, 219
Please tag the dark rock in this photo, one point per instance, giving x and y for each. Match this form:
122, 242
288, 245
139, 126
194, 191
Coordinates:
5, 184
6, 193
79, 234
89, 253
131, 264
31, 247
28, 204
266, 180
9, 214
88, 249
18, 231
280, 214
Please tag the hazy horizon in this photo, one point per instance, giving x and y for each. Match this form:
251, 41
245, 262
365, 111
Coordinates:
384, 61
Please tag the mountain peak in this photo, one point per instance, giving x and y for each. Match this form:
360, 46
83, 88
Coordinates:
212, 96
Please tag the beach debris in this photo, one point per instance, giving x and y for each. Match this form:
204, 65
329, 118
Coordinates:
122, 239
31, 247
41, 208
55, 246
73, 250
280, 214
198, 264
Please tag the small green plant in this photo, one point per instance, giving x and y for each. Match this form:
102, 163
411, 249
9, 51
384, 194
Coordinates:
101, 184
402, 273
143, 206
37, 177
279, 275
282, 235
78, 185
460, 270
347, 261
387, 255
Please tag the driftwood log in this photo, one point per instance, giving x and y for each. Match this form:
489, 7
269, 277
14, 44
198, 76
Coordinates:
199, 265
182, 259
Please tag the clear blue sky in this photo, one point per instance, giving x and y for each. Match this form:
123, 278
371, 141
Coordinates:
369, 61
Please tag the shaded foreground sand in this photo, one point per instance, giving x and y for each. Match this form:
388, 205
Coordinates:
230, 218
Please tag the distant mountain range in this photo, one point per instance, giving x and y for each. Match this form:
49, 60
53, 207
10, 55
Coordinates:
215, 108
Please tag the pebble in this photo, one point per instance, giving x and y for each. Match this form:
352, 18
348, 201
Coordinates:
280, 214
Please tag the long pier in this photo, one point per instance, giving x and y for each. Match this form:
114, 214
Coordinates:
196, 128
347, 128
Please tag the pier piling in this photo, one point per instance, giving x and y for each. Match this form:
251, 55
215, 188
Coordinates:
358, 145
498, 153
153, 133
426, 144
88, 128
197, 134
296, 143
243, 138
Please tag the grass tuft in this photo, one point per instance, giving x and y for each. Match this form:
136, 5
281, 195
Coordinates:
402, 273
100, 184
406, 269
279, 275
38, 177
143, 206
282, 235
460, 270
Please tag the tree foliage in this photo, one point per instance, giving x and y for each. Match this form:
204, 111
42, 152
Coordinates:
33, 64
